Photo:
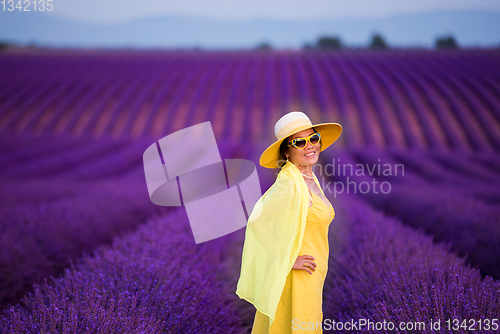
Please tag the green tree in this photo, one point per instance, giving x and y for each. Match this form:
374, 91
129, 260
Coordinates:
329, 43
3, 46
264, 46
378, 42
446, 42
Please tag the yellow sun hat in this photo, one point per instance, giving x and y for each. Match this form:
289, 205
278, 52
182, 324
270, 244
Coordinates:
291, 123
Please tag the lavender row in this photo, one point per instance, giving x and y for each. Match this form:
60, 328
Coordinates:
470, 184
464, 165
468, 176
64, 161
121, 163
37, 162
34, 192
367, 252
78, 159
381, 270
456, 211
217, 258
37, 149
151, 281
380, 98
57, 219
11, 143
39, 237
470, 225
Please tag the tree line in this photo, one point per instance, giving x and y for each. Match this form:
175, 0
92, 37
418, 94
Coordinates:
377, 42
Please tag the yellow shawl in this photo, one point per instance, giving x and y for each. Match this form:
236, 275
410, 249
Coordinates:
273, 238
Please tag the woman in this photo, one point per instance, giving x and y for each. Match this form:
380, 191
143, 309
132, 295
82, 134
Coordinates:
285, 255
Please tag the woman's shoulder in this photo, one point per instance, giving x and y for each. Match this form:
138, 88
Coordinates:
284, 181
284, 178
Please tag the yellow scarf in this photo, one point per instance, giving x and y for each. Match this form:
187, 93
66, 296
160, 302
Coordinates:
273, 238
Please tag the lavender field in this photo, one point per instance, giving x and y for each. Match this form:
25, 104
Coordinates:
84, 250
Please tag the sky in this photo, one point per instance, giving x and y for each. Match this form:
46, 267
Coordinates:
116, 11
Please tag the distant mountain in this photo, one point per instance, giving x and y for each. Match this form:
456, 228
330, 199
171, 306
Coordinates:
472, 28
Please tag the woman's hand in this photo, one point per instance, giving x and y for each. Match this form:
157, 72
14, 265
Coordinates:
302, 260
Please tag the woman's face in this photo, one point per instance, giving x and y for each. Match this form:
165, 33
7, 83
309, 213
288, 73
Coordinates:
308, 155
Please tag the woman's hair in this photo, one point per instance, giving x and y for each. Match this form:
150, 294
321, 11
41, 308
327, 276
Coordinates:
284, 149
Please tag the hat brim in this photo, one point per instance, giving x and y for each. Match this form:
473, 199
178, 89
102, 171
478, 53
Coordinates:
330, 132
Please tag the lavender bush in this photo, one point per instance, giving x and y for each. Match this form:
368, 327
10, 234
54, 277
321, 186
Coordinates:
39, 238
34, 192
32, 153
53, 165
382, 270
469, 224
477, 181
379, 97
469, 184
65, 192
46, 221
154, 280
124, 163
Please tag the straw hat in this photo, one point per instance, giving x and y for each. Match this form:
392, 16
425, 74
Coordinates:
290, 124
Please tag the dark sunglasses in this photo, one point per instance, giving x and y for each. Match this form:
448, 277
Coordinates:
301, 142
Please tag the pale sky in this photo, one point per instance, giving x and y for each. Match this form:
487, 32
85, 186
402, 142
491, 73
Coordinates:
114, 11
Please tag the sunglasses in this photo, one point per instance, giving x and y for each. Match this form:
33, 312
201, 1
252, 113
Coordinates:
301, 143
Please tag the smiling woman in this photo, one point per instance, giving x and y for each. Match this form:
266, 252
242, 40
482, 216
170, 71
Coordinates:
285, 255
299, 143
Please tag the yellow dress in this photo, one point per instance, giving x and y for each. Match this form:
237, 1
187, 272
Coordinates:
300, 309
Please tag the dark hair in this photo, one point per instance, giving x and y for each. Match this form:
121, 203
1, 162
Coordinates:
284, 149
